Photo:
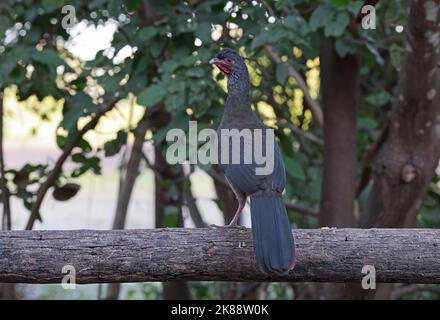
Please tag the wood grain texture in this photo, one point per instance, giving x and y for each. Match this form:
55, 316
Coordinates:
330, 255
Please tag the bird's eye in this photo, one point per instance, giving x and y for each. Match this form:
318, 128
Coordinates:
228, 60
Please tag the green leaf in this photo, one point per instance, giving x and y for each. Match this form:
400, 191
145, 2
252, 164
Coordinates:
84, 145
379, 99
61, 141
172, 102
47, 3
79, 105
156, 47
170, 220
281, 73
274, 34
48, 57
92, 163
81, 101
112, 147
286, 142
169, 66
195, 72
367, 123
396, 54
355, 6
337, 27
147, 33
111, 83
321, 16
78, 157
152, 95
294, 168
203, 32
260, 40
132, 5
341, 47
297, 24
340, 4
79, 83
69, 120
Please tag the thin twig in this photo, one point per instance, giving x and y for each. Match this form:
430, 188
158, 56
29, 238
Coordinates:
193, 209
307, 135
6, 219
270, 10
314, 106
303, 210
152, 167
53, 175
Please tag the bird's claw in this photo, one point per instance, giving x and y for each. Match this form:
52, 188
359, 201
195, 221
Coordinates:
232, 226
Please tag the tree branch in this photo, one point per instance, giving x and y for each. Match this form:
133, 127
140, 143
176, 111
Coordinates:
307, 135
314, 106
6, 218
53, 175
329, 255
191, 204
303, 210
130, 176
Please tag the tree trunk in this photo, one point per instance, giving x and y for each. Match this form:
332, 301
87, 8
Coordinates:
405, 166
131, 174
340, 86
409, 155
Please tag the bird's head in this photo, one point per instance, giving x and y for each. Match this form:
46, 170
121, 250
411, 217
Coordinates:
228, 61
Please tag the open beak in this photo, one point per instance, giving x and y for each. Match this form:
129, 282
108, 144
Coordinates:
222, 65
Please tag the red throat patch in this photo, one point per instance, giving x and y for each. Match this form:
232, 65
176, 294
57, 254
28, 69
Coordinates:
224, 68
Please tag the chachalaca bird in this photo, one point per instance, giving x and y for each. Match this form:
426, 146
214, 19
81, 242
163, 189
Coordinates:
271, 230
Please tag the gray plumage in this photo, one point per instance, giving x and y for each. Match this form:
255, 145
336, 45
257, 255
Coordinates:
272, 235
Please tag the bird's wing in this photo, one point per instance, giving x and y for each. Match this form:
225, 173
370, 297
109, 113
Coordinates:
279, 172
243, 176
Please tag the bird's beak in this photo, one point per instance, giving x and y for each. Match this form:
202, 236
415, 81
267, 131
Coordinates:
219, 63
215, 61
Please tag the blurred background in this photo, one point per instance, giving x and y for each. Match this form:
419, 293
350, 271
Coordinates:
89, 90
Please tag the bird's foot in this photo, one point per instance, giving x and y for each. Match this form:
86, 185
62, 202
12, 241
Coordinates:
232, 226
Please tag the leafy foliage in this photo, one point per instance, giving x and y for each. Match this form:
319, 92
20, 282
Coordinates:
168, 64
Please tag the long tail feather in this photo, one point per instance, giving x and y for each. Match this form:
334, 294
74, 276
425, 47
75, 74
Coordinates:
272, 234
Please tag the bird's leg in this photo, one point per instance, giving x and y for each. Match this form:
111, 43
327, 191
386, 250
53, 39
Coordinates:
241, 198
